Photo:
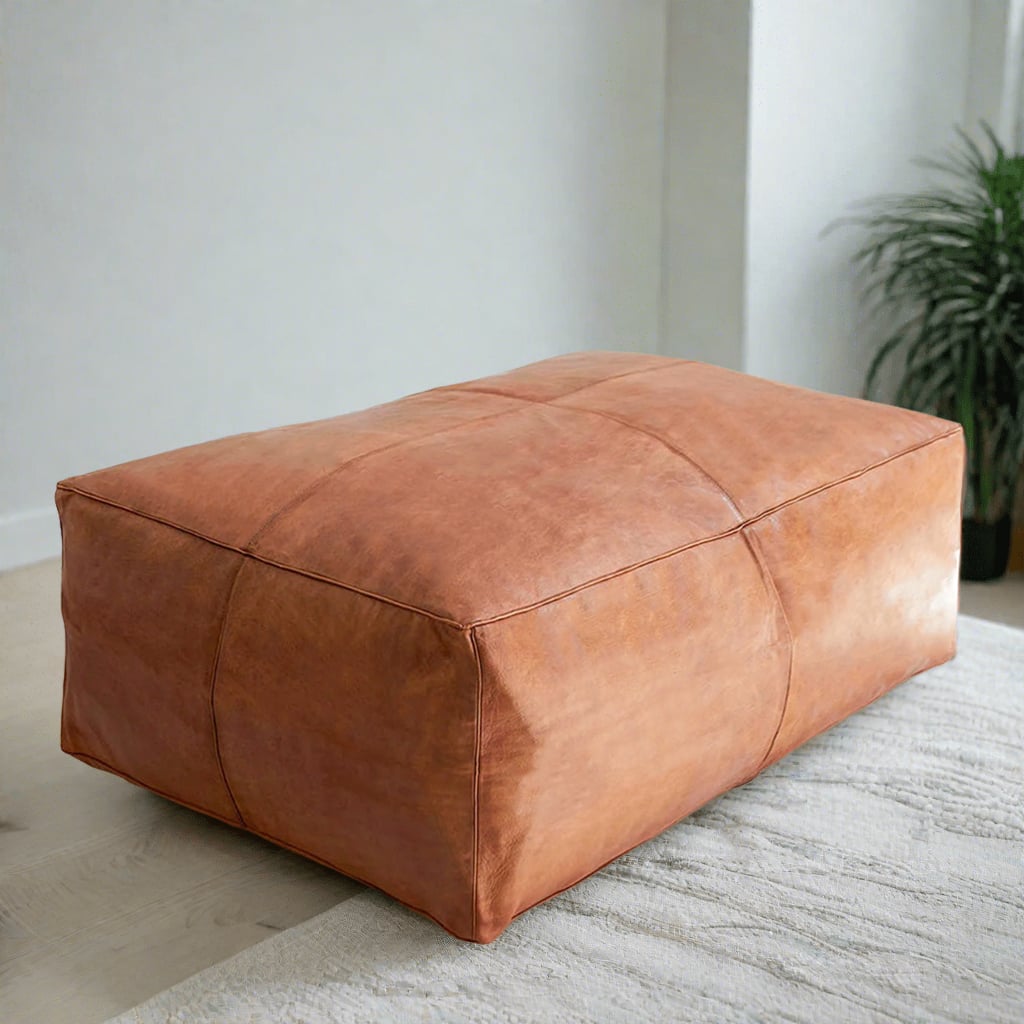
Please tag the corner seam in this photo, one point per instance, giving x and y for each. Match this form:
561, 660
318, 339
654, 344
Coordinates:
477, 748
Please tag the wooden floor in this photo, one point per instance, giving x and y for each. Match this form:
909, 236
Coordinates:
109, 894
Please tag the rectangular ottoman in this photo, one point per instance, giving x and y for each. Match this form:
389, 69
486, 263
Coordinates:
472, 645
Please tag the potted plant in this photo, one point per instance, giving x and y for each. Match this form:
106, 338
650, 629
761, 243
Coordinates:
946, 267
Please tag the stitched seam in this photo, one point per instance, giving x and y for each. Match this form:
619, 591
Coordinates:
758, 555
214, 669
477, 749
97, 762
810, 493
466, 390
565, 394
667, 444
627, 373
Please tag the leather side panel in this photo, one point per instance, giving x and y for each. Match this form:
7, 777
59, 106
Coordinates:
612, 713
143, 605
348, 730
868, 574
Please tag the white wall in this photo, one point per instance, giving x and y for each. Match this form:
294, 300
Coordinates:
222, 216
843, 95
988, 43
707, 98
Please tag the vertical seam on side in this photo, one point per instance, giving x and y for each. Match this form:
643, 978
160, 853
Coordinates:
755, 549
477, 747
214, 671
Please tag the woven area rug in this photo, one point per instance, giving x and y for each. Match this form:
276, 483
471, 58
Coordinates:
876, 874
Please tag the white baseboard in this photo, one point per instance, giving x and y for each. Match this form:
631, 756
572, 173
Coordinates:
27, 537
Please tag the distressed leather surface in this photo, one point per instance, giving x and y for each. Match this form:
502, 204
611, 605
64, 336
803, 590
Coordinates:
471, 645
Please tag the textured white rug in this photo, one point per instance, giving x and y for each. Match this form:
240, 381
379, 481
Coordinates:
876, 874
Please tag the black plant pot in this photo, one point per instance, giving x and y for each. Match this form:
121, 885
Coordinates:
985, 549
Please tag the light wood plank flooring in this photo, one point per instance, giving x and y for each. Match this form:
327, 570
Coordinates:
109, 894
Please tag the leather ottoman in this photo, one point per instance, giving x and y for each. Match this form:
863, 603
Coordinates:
472, 645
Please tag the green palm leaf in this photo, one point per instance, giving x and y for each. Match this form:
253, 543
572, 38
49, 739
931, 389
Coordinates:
945, 268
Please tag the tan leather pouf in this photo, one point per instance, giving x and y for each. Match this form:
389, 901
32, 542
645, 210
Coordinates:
472, 645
